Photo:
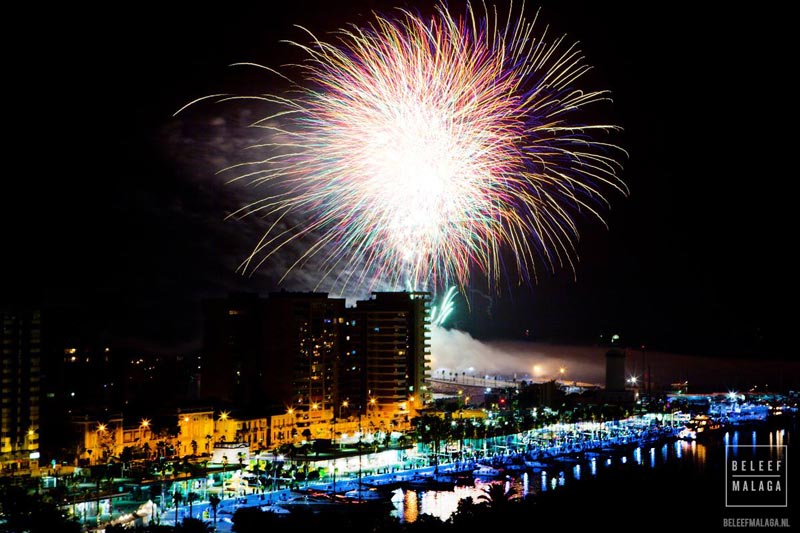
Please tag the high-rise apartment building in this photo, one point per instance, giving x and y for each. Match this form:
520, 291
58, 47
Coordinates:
281, 350
20, 369
234, 367
309, 352
387, 349
304, 349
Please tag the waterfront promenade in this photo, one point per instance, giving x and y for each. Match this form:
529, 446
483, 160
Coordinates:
539, 445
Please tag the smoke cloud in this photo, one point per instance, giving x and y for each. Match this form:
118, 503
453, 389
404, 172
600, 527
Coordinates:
457, 352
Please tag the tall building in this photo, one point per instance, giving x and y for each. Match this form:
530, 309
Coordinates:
20, 351
387, 349
615, 392
307, 351
304, 349
615, 370
234, 349
281, 350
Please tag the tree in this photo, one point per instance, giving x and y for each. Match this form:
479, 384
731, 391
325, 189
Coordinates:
194, 447
177, 498
126, 456
214, 500
28, 512
431, 430
193, 525
254, 520
191, 498
497, 497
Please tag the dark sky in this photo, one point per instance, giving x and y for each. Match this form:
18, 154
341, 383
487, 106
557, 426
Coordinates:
110, 206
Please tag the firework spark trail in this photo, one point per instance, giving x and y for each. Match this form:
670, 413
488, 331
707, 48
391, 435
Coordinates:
417, 149
439, 313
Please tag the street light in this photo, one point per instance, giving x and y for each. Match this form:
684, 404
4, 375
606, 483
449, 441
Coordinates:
290, 412
344, 404
372, 403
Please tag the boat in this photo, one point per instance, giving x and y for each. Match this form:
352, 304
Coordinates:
535, 465
384, 484
699, 427
486, 471
274, 508
308, 501
321, 502
431, 482
368, 494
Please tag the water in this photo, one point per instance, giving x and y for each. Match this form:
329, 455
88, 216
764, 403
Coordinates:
698, 456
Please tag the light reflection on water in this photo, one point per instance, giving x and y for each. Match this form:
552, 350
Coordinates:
410, 504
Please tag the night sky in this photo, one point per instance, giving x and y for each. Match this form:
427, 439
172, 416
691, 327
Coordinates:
111, 207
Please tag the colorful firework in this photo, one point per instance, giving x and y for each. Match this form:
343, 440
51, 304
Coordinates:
439, 313
415, 151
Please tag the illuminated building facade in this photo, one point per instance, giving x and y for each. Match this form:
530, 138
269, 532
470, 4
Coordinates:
276, 351
304, 334
20, 360
308, 352
387, 350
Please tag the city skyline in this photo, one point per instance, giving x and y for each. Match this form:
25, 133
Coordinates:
397, 265
143, 218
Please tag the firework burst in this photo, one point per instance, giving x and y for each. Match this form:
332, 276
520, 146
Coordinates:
416, 150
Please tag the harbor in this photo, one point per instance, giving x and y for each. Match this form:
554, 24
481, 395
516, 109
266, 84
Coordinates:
406, 483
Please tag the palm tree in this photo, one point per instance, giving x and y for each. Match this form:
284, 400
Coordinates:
214, 500
161, 448
194, 447
431, 430
191, 498
497, 497
177, 498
